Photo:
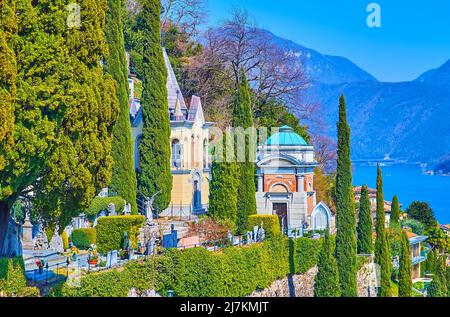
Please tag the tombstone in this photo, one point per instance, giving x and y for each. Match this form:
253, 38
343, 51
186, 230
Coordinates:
111, 258
41, 240
127, 210
255, 233
112, 210
261, 234
249, 236
27, 239
230, 236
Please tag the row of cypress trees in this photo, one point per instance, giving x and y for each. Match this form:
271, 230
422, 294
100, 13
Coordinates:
232, 187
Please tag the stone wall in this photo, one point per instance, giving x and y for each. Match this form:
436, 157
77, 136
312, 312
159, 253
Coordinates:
302, 285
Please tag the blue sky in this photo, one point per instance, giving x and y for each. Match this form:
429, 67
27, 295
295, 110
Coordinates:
414, 36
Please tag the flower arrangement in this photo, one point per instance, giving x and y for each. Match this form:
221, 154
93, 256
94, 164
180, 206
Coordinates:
93, 255
40, 264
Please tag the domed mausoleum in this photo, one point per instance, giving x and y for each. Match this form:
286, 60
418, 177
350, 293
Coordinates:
285, 172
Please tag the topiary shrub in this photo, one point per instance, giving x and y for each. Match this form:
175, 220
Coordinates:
65, 240
111, 231
101, 203
271, 224
83, 238
12, 279
306, 254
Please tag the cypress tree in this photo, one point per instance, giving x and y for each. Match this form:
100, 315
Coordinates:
395, 213
123, 180
405, 271
326, 282
438, 286
382, 254
154, 150
345, 209
243, 118
364, 228
223, 187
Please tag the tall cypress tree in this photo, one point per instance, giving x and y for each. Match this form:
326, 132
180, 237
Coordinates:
405, 271
223, 187
326, 282
123, 179
154, 150
345, 209
382, 254
243, 118
438, 286
395, 213
364, 229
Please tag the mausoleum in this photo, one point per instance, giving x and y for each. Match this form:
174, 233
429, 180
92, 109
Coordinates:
285, 172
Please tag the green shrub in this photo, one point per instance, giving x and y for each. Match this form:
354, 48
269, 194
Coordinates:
306, 254
232, 272
65, 240
83, 238
12, 278
101, 203
111, 231
271, 224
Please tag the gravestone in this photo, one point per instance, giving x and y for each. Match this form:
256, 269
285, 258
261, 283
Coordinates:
127, 210
111, 258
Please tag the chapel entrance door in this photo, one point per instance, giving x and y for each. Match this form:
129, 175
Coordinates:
280, 209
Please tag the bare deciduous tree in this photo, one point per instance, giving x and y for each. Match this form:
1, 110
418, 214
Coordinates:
186, 15
272, 70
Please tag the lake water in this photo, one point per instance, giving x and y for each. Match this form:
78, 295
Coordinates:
410, 184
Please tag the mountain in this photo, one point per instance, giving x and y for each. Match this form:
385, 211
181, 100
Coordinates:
325, 69
406, 121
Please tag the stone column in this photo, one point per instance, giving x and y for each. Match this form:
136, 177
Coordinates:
260, 183
27, 240
300, 183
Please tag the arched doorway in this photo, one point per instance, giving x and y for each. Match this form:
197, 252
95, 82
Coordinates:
197, 192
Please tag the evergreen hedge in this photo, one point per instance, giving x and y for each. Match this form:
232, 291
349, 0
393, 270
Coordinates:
111, 231
102, 203
271, 224
83, 238
232, 272
12, 278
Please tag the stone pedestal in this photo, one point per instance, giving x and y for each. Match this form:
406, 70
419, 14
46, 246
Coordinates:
27, 239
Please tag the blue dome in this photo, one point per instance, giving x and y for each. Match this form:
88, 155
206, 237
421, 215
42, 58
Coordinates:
286, 136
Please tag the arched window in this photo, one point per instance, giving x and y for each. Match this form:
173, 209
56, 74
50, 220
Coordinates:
321, 219
205, 153
176, 154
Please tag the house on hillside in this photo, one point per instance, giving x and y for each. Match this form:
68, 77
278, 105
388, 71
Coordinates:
285, 183
417, 254
373, 202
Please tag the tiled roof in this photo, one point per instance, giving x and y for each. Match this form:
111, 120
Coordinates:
173, 89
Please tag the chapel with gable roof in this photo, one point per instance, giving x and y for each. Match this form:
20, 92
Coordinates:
189, 141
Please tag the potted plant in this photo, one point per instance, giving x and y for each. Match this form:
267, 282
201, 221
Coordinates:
93, 255
40, 264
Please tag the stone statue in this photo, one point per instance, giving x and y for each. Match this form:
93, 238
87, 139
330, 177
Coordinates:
112, 209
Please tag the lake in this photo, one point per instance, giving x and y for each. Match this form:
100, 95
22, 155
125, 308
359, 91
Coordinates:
409, 183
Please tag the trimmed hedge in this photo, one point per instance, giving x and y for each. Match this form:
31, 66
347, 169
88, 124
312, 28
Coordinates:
271, 224
232, 272
102, 203
83, 238
111, 231
12, 279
